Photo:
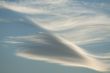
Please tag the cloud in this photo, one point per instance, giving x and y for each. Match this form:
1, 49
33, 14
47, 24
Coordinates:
64, 23
79, 29
57, 50
22, 9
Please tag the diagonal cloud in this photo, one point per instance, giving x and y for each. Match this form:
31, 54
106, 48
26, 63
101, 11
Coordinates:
63, 22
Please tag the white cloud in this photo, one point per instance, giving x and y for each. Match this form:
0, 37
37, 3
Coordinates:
23, 9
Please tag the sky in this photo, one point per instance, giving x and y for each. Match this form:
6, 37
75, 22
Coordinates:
54, 36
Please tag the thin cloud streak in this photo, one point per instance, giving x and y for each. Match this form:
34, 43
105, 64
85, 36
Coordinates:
21, 9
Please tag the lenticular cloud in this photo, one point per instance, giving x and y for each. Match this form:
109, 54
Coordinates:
65, 25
